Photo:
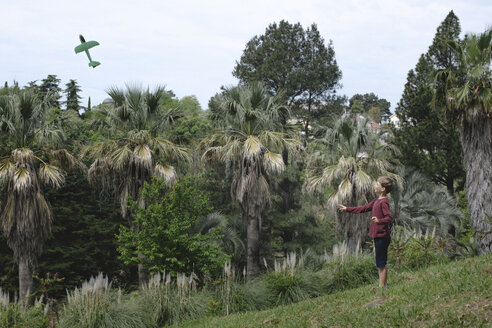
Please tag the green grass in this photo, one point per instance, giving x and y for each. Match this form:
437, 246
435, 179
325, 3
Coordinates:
457, 294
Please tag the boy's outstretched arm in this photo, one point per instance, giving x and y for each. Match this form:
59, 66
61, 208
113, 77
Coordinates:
342, 208
361, 209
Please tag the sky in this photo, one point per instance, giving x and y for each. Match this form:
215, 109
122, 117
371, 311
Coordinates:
191, 47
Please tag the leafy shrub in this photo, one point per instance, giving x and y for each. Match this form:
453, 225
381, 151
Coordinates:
166, 236
412, 250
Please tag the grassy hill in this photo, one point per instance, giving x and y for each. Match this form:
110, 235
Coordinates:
457, 294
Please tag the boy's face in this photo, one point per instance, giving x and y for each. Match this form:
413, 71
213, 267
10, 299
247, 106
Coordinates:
378, 189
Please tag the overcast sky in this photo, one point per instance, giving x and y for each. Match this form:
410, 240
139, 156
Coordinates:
191, 46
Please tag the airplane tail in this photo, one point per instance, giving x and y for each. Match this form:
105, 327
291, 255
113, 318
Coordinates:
94, 64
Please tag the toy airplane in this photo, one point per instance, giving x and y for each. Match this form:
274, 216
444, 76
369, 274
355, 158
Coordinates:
85, 46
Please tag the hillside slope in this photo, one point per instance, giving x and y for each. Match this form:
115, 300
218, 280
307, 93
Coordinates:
456, 294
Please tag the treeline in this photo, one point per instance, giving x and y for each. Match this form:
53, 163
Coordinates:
147, 182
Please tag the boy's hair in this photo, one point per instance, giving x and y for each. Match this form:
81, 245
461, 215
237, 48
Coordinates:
386, 183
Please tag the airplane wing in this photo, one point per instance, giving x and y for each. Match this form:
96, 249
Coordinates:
85, 46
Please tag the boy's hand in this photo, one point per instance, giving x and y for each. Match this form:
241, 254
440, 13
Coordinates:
375, 219
341, 208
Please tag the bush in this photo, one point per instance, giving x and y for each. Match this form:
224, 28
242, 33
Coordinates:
250, 296
165, 239
348, 272
411, 250
13, 315
291, 288
95, 304
168, 302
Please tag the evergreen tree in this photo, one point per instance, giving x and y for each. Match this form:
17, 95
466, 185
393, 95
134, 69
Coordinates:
50, 87
297, 62
83, 236
72, 91
467, 92
428, 138
363, 103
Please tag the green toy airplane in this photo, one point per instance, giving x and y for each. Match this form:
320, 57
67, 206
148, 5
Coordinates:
85, 46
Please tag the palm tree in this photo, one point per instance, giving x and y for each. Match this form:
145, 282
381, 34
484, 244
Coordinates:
249, 143
31, 162
423, 205
134, 148
468, 92
348, 159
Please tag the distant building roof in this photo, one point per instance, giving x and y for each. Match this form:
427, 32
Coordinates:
108, 101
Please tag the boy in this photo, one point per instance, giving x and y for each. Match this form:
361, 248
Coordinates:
379, 228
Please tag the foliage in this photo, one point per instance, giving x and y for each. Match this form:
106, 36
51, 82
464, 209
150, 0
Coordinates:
423, 205
82, 240
363, 104
133, 149
96, 304
298, 228
455, 294
50, 90
171, 301
414, 250
428, 135
13, 316
348, 160
31, 164
348, 272
468, 94
250, 142
290, 282
296, 61
72, 91
165, 237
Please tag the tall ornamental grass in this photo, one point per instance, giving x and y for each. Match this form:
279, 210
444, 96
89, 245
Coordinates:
96, 304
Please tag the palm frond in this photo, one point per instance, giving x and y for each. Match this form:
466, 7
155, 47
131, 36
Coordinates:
142, 157
213, 154
252, 147
273, 163
51, 175
171, 151
7, 169
121, 156
22, 179
166, 172
65, 160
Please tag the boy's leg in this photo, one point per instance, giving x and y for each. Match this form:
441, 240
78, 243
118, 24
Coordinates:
381, 245
383, 276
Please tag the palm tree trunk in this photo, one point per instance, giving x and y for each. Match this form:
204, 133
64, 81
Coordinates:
355, 228
476, 141
25, 280
253, 241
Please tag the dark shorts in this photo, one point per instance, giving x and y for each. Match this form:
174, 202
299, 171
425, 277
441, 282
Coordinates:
381, 245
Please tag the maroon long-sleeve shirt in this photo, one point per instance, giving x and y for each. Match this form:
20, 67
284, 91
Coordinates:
379, 208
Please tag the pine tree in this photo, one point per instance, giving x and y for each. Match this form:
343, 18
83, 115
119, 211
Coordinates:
363, 103
72, 91
50, 87
298, 63
428, 137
